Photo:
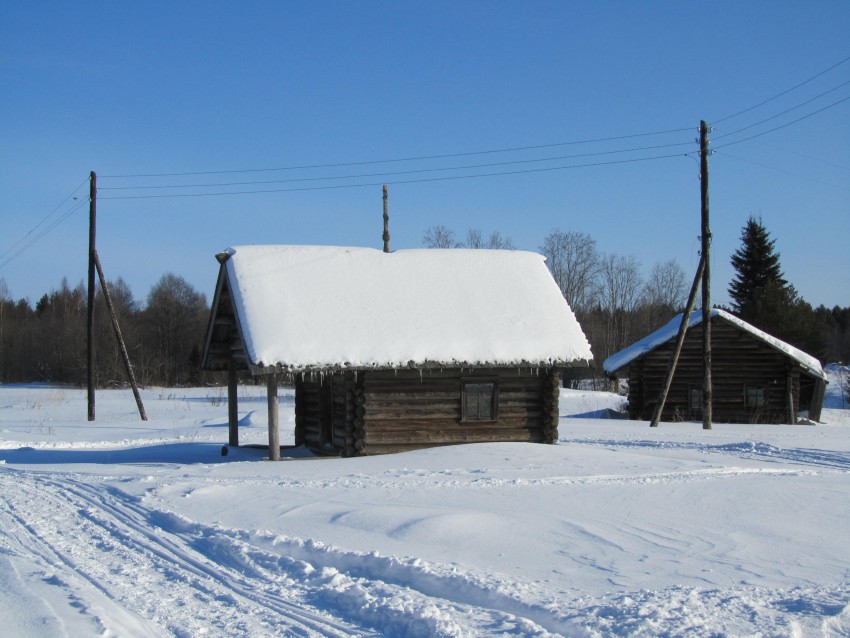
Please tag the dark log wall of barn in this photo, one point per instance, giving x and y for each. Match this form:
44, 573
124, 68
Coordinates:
385, 411
738, 360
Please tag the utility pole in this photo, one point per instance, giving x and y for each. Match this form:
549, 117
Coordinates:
705, 236
90, 321
386, 235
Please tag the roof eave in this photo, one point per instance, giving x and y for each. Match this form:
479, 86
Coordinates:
261, 369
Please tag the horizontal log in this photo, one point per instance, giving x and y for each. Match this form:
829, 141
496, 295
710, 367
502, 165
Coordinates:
414, 424
437, 373
399, 411
431, 394
412, 396
419, 437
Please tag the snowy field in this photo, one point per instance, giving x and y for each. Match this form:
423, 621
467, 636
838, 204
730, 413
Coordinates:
126, 528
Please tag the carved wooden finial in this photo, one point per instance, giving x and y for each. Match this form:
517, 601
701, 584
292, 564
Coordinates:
386, 235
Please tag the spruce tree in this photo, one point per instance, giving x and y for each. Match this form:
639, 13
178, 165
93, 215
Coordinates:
759, 287
762, 297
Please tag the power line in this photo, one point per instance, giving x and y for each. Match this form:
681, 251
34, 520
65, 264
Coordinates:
43, 220
410, 181
804, 156
44, 232
787, 124
786, 91
405, 159
793, 108
781, 170
408, 172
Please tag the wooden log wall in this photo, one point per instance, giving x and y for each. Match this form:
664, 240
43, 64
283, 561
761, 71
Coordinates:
308, 411
738, 360
551, 399
378, 412
343, 413
409, 409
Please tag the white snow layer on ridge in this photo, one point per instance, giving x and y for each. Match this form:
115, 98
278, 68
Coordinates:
316, 307
671, 329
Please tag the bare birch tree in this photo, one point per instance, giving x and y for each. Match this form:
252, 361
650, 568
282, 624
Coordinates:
620, 297
443, 237
475, 239
439, 236
666, 285
575, 265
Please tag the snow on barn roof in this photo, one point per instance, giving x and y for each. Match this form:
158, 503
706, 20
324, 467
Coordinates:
318, 307
669, 332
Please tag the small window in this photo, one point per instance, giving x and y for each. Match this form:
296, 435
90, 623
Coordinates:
479, 400
695, 399
755, 396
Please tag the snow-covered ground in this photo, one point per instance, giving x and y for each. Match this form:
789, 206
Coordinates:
127, 528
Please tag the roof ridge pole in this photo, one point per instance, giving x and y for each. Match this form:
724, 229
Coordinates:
705, 236
680, 339
386, 235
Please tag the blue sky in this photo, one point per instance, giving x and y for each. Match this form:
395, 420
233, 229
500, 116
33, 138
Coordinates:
199, 87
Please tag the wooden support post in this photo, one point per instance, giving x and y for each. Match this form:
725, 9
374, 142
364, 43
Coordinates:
792, 415
816, 405
705, 235
232, 406
121, 346
274, 419
90, 318
680, 339
386, 235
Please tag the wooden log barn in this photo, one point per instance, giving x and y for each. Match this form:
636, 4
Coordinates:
392, 351
756, 378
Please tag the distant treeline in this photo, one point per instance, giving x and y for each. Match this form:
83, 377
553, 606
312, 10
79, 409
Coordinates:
164, 336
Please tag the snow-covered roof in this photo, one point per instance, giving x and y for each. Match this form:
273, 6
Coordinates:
669, 331
318, 307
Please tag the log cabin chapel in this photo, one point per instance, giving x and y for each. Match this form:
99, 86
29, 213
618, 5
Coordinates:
392, 351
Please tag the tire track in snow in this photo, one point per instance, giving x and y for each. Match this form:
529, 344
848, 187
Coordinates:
26, 547
513, 607
96, 537
756, 450
159, 564
441, 480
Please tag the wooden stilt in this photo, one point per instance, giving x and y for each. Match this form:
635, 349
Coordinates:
274, 420
232, 406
